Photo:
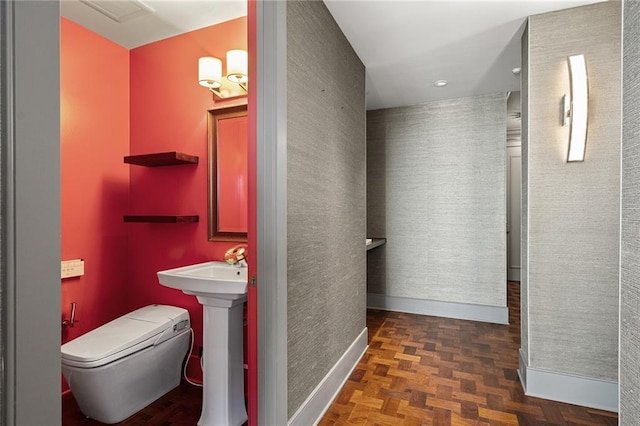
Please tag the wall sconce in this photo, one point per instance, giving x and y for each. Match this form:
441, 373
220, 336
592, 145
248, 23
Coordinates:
210, 72
576, 108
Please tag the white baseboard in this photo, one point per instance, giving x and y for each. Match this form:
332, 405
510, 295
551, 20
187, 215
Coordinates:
572, 389
466, 311
314, 407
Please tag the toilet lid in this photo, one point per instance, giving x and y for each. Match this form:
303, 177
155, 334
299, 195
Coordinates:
124, 335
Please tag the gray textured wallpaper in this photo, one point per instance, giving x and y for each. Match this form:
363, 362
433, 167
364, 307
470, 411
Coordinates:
326, 197
573, 208
436, 178
630, 268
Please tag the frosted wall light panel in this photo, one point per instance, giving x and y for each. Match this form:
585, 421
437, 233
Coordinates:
579, 108
210, 72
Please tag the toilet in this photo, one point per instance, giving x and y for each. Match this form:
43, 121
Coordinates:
121, 367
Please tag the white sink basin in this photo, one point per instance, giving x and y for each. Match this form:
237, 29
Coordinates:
209, 279
221, 289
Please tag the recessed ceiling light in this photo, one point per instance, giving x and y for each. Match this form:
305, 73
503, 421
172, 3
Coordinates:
440, 83
516, 70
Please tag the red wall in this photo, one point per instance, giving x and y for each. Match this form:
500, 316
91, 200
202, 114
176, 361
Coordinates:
114, 103
232, 174
94, 85
169, 113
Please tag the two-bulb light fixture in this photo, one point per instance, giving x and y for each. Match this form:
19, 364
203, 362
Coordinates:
575, 108
210, 74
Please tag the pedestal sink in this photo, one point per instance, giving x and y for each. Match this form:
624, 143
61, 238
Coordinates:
221, 289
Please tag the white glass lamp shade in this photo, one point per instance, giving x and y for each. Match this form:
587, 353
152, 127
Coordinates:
237, 66
210, 72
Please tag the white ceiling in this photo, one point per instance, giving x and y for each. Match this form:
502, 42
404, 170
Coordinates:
166, 19
405, 45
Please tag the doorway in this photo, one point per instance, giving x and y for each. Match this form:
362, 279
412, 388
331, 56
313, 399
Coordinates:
514, 187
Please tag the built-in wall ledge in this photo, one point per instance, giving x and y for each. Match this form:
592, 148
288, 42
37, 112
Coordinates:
172, 158
375, 242
162, 219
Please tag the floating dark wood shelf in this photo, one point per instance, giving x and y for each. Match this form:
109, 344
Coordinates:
172, 158
161, 219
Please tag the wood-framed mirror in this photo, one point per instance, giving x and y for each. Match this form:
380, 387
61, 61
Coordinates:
228, 196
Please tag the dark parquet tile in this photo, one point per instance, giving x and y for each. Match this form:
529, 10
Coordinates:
422, 370
180, 407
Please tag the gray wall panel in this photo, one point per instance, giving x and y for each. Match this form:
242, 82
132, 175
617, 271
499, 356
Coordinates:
436, 191
630, 256
573, 208
326, 197
31, 218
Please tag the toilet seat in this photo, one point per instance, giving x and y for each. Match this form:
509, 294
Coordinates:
133, 332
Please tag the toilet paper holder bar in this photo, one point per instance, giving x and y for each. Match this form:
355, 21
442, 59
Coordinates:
72, 320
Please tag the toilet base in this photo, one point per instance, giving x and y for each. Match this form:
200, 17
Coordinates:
115, 391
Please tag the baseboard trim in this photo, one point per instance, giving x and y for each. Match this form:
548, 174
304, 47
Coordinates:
437, 308
572, 389
314, 407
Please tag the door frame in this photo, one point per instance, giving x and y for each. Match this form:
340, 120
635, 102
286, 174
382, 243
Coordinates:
510, 227
271, 245
30, 212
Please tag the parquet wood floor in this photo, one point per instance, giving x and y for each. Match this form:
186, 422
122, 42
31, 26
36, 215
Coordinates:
422, 370
180, 407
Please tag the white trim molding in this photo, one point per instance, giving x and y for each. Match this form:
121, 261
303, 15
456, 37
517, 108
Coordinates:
271, 152
312, 410
572, 389
30, 212
437, 308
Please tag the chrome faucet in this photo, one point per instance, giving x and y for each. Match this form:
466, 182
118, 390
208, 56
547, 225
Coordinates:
236, 255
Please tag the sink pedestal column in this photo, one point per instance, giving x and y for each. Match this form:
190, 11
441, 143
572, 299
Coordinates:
223, 372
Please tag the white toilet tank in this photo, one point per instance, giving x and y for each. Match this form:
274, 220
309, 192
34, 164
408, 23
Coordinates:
121, 367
